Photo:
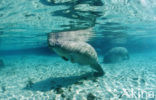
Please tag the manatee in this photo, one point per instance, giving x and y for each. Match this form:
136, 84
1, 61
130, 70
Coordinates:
116, 54
75, 51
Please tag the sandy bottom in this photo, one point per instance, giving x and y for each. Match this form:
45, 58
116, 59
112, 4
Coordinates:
33, 77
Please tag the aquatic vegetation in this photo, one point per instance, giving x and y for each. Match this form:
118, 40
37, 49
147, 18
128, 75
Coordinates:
116, 54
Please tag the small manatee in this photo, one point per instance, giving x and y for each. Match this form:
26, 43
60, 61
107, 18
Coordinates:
116, 54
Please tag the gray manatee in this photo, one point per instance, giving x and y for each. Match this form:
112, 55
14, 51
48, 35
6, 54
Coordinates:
75, 51
116, 54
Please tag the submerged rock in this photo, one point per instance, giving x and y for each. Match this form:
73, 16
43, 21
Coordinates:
116, 54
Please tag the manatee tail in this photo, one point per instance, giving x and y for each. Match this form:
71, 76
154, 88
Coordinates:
99, 71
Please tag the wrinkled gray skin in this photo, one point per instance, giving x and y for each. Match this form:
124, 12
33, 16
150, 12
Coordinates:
75, 51
116, 54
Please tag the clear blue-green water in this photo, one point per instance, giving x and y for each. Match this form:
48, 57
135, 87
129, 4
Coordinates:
29, 70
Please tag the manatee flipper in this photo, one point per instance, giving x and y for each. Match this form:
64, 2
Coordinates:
64, 58
99, 71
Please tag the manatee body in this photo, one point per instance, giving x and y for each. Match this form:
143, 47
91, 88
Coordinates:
77, 52
116, 54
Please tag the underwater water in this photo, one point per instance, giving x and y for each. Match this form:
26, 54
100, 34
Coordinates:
30, 70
